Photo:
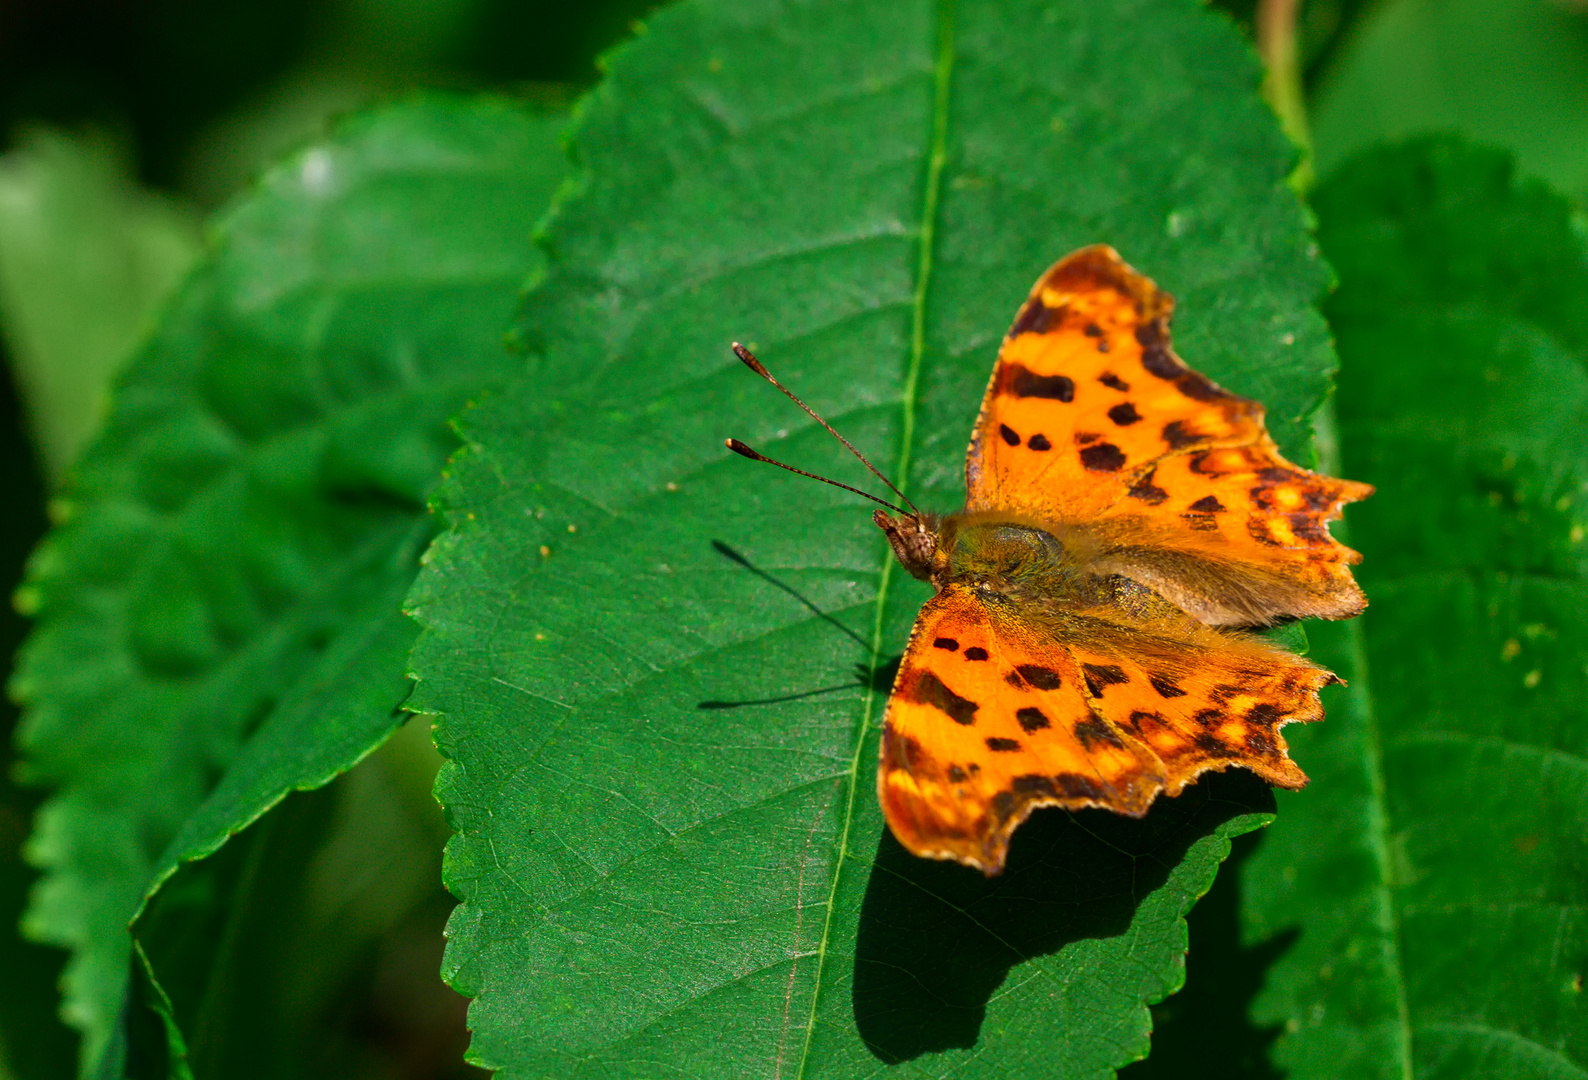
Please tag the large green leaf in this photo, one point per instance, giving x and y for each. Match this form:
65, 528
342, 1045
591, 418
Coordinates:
1438, 865
219, 617
659, 670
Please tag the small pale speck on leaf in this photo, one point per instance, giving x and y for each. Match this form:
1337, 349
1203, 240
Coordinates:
1509, 650
1495, 498
1576, 534
539, 636
315, 172
573, 528
545, 552
671, 486
1532, 678
1287, 338
1563, 503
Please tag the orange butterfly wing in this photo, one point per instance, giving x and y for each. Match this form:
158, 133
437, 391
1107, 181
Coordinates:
1091, 419
993, 715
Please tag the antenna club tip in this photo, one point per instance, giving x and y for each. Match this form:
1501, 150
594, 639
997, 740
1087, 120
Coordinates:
749, 360
739, 448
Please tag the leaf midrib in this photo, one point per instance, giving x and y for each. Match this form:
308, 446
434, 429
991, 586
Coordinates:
942, 70
1379, 833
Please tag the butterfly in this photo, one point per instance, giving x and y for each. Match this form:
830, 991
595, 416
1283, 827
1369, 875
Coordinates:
1127, 523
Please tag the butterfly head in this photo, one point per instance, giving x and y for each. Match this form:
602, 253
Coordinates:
914, 539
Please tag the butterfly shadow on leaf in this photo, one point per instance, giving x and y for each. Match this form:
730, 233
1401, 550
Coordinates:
879, 679
936, 939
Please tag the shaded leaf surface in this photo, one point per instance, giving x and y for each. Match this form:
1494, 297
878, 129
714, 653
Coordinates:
1437, 865
220, 615
660, 672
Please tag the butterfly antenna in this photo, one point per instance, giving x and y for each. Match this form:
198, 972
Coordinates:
739, 448
760, 369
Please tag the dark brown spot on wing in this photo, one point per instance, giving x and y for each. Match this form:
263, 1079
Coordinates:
1198, 387
1033, 785
1021, 381
930, 690
1039, 442
1166, 687
1261, 742
946, 643
1257, 529
1208, 504
1124, 414
1034, 318
1040, 677
900, 751
1009, 434
1094, 731
1031, 719
1140, 718
1306, 526
1264, 714
1100, 676
1155, 351
1178, 438
1075, 786
1003, 746
957, 775
1210, 744
1147, 491
1104, 457
1109, 379
975, 652
1091, 329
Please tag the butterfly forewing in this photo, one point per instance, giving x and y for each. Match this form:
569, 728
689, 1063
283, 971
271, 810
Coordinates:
1090, 419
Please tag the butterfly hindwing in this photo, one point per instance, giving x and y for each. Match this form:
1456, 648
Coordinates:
987, 722
1202, 700
997, 711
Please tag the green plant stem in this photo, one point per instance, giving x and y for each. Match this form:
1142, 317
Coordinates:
1276, 43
